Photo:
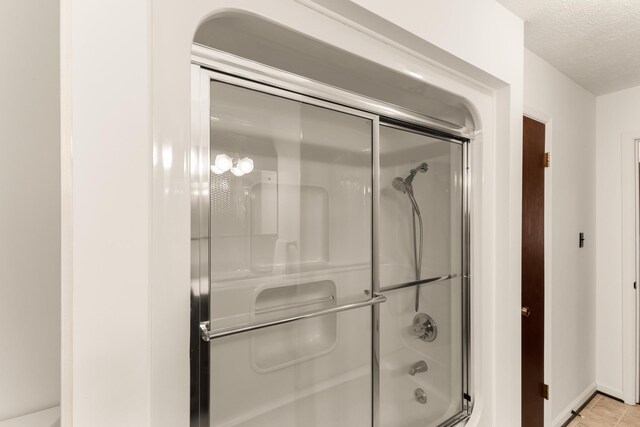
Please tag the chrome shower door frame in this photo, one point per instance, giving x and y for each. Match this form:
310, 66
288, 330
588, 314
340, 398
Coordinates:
210, 65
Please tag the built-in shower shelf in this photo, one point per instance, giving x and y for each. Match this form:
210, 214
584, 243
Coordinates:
283, 345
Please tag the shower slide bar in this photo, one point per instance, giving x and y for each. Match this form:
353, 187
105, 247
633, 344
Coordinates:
208, 335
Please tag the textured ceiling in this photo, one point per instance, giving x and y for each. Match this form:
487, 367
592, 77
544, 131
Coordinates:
594, 42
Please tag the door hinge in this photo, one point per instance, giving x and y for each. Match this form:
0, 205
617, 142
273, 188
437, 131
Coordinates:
545, 391
635, 285
547, 160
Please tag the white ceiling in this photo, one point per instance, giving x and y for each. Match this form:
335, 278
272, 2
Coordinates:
594, 42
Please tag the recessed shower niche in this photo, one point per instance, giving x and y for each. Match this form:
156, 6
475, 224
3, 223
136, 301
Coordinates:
326, 221
294, 342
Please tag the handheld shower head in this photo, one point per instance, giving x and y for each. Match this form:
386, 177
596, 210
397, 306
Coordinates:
405, 184
399, 184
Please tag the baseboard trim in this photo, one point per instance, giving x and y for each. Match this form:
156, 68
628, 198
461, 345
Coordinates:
611, 397
576, 405
611, 392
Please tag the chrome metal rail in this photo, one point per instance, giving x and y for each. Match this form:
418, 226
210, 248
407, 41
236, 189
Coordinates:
208, 335
418, 282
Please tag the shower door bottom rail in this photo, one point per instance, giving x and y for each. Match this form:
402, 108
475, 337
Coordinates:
208, 335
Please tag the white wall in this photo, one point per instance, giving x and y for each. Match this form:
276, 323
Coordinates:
472, 35
571, 179
618, 114
106, 120
29, 207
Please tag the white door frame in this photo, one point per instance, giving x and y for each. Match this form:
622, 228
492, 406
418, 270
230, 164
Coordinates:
636, 181
630, 189
545, 118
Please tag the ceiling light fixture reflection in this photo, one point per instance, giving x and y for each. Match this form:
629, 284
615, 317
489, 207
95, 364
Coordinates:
236, 166
245, 165
223, 162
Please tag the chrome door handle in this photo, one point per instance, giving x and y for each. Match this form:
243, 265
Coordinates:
526, 311
208, 335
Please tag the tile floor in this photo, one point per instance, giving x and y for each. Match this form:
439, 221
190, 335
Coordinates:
603, 411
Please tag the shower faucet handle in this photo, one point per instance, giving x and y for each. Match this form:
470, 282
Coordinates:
419, 329
424, 327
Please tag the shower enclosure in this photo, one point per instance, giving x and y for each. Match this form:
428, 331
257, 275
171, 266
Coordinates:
330, 240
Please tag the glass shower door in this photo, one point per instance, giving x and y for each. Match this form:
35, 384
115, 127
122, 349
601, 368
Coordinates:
289, 255
421, 256
306, 216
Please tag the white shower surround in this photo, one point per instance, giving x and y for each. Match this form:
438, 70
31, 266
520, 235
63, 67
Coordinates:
155, 315
227, 374
228, 371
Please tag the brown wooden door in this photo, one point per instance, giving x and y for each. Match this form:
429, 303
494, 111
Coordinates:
533, 273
